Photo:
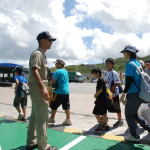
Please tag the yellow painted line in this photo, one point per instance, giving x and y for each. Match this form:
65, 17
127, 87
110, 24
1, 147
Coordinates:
1, 115
113, 137
73, 130
13, 118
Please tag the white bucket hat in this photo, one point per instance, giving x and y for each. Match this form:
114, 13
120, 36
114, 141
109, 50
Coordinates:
130, 48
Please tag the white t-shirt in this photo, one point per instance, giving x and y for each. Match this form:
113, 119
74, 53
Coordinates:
110, 76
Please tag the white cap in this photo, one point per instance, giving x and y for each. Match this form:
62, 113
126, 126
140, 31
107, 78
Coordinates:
60, 61
130, 48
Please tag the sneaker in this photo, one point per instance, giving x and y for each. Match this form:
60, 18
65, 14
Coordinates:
31, 147
132, 139
52, 148
100, 126
23, 119
118, 124
20, 117
51, 120
67, 122
106, 127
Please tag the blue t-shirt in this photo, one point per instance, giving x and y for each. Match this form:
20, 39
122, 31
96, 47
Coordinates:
61, 75
133, 72
21, 80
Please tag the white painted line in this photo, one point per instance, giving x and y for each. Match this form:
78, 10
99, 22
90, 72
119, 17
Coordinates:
0, 147
71, 144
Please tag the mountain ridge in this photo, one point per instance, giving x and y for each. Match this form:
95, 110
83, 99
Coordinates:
86, 68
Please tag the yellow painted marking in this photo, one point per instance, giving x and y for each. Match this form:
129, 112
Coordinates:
72, 130
13, 118
113, 137
1, 115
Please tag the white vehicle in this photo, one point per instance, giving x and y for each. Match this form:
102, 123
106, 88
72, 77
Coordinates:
94, 80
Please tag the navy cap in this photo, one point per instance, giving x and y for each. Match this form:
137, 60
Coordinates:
147, 62
45, 35
19, 69
130, 48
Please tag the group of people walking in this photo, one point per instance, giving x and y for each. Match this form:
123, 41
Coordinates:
101, 103
39, 94
129, 97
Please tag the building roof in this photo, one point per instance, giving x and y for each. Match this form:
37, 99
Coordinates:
4, 65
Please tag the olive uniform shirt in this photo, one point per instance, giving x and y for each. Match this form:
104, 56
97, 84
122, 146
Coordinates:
38, 60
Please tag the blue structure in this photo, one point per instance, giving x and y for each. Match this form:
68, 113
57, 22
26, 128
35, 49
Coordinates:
6, 65
7, 72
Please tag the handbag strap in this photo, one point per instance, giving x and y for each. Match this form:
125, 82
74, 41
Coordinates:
113, 78
140, 70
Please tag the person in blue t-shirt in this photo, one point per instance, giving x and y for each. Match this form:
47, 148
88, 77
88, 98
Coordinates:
132, 87
61, 92
19, 99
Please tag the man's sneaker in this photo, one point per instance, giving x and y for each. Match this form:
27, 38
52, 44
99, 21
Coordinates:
51, 120
52, 148
118, 124
132, 139
100, 126
67, 122
20, 117
31, 147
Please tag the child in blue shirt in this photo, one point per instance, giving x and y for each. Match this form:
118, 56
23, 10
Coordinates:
19, 99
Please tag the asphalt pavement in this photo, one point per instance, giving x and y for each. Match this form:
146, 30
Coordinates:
82, 103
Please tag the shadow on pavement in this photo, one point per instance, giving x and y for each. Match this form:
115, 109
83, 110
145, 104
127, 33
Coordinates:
126, 146
144, 140
6, 121
101, 132
19, 148
127, 132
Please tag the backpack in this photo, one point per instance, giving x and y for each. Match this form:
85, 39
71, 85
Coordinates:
24, 88
144, 92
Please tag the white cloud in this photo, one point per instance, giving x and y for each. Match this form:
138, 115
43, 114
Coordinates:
125, 16
21, 21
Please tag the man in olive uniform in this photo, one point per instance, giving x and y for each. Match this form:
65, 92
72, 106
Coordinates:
37, 134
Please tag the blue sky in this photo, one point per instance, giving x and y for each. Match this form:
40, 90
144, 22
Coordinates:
88, 23
68, 5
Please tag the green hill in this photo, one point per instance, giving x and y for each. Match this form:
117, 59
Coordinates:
86, 69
